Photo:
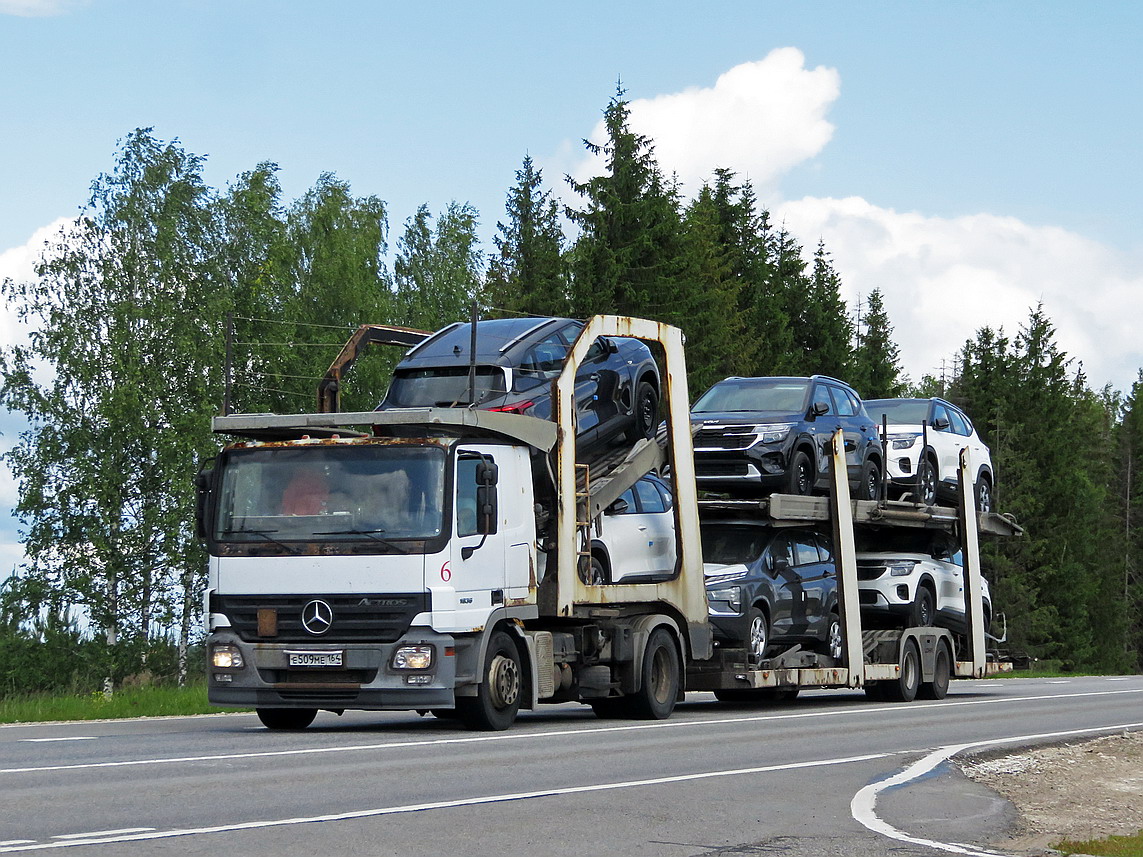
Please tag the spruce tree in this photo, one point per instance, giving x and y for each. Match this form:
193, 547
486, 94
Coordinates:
527, 273
876, 369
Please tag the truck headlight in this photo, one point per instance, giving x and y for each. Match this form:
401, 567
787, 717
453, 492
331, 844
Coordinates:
226, 657
413, 658
729, 595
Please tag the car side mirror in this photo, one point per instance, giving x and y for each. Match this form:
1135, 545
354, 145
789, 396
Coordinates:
612, 347
779, 564
941, 424
819, 409
619, 507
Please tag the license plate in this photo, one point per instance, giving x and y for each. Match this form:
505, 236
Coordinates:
315, 659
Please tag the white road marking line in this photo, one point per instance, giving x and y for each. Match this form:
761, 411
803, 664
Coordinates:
49, 740
527, 736
16, 842
95, 833
1118, 678
125, 721
1060, 681
446, 804
863, 807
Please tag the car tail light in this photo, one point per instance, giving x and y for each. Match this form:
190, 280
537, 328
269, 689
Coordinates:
517, 408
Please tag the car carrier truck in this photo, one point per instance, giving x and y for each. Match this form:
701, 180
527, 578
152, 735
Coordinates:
431, 560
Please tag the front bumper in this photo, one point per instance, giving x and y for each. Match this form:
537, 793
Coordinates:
366, 680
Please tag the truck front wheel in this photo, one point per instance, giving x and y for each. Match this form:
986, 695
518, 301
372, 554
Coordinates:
497, 699
655, 699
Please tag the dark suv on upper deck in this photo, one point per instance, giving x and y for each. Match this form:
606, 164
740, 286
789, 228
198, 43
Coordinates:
755, 436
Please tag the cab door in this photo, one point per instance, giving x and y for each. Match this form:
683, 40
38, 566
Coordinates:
477, 569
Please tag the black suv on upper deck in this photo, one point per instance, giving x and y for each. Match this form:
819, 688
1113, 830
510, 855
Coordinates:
763, 435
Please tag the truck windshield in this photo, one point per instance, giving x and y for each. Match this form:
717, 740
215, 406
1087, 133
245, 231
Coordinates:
331, 493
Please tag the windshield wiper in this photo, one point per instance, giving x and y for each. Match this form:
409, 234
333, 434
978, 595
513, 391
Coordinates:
370, 533
264, 534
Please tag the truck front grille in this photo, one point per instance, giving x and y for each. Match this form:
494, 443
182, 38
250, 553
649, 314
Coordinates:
356, 618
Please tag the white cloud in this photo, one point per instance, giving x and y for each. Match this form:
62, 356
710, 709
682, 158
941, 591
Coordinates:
760, 119
39, 8
945, 278
18, 265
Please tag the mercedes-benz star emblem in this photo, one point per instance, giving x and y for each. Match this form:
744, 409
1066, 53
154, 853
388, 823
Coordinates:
317, 617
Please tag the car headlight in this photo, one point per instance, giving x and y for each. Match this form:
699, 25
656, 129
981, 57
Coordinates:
903, 441
773, 433
729, 595
901, 569
226, 657
413, 658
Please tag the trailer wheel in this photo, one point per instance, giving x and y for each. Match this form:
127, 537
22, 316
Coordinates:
938, 688
904, 688
286, 718
655, 699
497, 697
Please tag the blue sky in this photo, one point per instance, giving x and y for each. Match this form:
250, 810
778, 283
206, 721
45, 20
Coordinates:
970, 159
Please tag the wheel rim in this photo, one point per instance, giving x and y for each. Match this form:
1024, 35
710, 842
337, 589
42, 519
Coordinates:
928, 485
835, 641
909, 674
983, 496
872, 483
924, 608
647, 413
758, 637
801, 476
504, 681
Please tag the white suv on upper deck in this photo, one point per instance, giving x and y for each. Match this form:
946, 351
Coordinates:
922, 450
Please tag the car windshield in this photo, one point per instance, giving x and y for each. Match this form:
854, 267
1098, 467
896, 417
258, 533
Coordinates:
937, 544
898, 412
443, 387
730, 543
331, 493
778, 395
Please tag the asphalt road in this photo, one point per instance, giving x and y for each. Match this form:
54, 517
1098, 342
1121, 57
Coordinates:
810, 777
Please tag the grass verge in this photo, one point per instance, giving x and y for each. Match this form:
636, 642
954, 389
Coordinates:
1112, 846
150, 701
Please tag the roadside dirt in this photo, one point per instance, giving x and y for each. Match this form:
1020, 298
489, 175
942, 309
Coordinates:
1078, 791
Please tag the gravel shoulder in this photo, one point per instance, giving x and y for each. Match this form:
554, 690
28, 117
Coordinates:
1078, 790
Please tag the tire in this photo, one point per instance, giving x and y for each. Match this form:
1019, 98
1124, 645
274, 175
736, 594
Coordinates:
835, 644
938, 688
904, 688
757, 634
800, 476
655, 699
594, 572
869, 488
645, 413
281, 719
927, 482
497, 699
923, 607
987, 618
983, 492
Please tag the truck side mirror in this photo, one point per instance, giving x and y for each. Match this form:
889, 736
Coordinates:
487, 473
202, 483
486, 509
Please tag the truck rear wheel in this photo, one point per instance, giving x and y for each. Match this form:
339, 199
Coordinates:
286, 718
904, 688
655, 699
938, 688
497, 699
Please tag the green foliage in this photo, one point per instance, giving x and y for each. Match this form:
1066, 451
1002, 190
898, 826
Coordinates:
876, 368
136, 700
1111, 846
528, 273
